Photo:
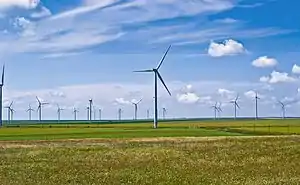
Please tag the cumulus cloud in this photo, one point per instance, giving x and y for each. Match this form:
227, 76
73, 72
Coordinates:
122, 101
277, 77
265, 61
227, 48
296, 69
188, 98
27, 4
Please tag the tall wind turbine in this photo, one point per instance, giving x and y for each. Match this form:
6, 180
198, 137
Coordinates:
236, 105
136, 108
157, 75
75, 111
40, 107
59, 112
282, 109
256, 106
1, 94
29, 110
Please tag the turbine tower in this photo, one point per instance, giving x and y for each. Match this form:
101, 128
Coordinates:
59, 112
29, 110
256, 106
157, 75
236, 105
91, 108
282, 109
88, 113
136, 108
75, 111
40, 107
1, 94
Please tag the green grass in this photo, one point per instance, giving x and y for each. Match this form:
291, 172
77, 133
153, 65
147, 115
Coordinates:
140, 130
173, 161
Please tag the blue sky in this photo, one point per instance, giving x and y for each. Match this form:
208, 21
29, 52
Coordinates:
69, 51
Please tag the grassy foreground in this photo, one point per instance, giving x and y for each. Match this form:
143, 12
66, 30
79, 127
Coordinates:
170, 161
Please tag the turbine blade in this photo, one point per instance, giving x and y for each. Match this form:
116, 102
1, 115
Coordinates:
162, 60
162, 81
38, 99
144, 71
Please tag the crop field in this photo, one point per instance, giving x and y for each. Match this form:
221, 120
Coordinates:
190, 152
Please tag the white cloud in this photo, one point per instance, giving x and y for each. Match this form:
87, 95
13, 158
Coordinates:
28, 4
188, 98
265, 61
277, 77
44, 12
296, 69
227, 48
122, 101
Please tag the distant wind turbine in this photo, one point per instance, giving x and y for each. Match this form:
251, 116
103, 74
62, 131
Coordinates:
283, 109
40, 107
75, 111
1, 94
91, 108
256, 106
136, 108
9, 112
236, 105
59, 112
120, 113
100, 114
157, 75
164, 113
29, 110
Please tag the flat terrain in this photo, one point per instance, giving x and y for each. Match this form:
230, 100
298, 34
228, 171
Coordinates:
141, 130
205, 160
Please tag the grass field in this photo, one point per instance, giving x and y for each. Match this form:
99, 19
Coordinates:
140, 130
171, 161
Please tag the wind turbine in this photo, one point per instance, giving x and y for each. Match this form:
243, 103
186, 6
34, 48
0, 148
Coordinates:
120, 113
148, 114
136, 108
236, 105
157, 75
256, 106
1, 94
215, 107
9, 111
100, 114
282, 109
75, 111
59, 112
91, 108
164, 113
29, 110
40, 107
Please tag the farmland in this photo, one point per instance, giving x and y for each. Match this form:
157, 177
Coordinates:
191, 152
